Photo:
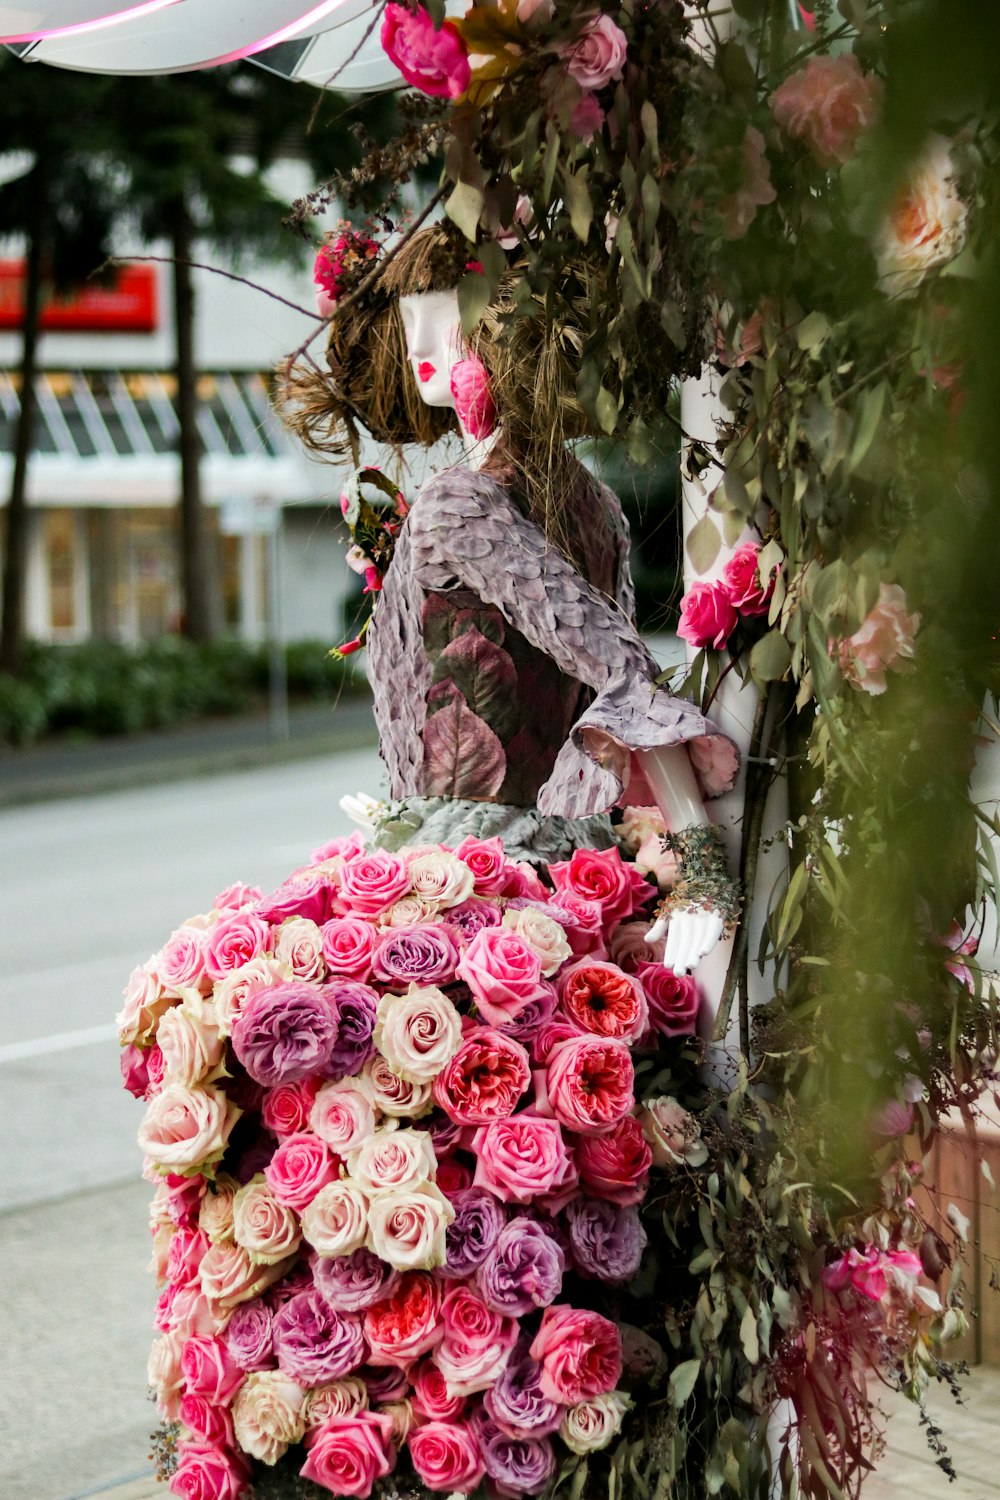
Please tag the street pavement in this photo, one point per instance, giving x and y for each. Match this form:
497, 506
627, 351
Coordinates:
89, 887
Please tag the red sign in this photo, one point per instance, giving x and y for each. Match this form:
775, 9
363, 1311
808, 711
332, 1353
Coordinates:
125, 305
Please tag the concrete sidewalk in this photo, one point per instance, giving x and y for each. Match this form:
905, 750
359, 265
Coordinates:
908, 1470
209, 747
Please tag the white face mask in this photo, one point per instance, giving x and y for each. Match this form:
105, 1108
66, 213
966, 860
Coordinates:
433, 330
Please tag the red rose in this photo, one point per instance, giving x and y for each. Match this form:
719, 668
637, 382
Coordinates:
674, 999
616, 1166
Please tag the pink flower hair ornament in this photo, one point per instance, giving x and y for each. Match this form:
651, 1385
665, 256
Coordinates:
470, 386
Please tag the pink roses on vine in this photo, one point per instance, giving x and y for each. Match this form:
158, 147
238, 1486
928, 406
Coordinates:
827, 105
436, 62
710, 612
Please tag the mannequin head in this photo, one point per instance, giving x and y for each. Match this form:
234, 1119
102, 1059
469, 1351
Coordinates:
432, 329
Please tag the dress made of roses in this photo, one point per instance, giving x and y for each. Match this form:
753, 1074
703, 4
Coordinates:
401, 1157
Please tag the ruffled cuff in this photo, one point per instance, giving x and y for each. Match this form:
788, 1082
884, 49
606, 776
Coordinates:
631, 714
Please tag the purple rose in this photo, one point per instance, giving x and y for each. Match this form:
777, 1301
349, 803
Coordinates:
515, 1401
284, 1032
250, 1336
303, 894
471, 916
523, 1271
313, 1343
605, 1241
420, 955
388, 1384
354, 1005
298, 1279
350, 1283
532, 1016
472, 1233
446, 1136
519, 1466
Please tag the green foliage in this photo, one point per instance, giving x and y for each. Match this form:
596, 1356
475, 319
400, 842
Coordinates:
105, 689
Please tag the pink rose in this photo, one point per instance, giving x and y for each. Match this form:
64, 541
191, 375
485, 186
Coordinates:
716, 762
164, 1373
741, 577
418, 1033
374, 879
350, 1453
616, 1166
827, 105
233, 942
589, 1084
180, 964
436, 62
344, 845
895, 1118
347, 947
298, 943
285, 1110
523, 1158
756, 189
267, 1229
229, 1276
580, 1354
209, 1371
145, 1002
674, 999
597, 56
298, 1169
187, 1248
883, 642
582, 920
587, 117
488, 863
630, 947
236, 896
502, 972
446, 1456
476, 1344
708, 618
431, 1397
189, 1043
598, 875
205, 1472
470, 386
207, 1422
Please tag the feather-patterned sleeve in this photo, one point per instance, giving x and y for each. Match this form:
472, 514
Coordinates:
465, 532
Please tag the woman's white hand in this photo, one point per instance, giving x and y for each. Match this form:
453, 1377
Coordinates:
691, 933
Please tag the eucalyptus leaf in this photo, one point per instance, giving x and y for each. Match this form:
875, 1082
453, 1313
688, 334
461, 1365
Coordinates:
812, 331
770, 658
464, 206
703, 543
606, 409
683, 1380
473, 299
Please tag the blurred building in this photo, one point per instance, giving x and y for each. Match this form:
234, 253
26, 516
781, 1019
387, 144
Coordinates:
104, 477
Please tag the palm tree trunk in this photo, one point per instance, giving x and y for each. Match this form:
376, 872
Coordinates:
16, 537
200, 595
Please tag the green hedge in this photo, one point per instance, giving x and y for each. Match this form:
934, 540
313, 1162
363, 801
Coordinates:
100, 688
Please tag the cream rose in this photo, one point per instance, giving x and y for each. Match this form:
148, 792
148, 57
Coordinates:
392, 1095
672, 1133
336, 1221
145, 1001
300, 946
268, 1414
342, 1115
215, 1216
592, 1424
440, 879
926, 226
188, 1036
184, 1128
403, 1419
229, 994
407, 1229
408, 911
419, 1032
543, 935
267, 1229
165, 1374
391, 1160
341, 1398
228, 1276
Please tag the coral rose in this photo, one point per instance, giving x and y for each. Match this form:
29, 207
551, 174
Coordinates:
926, 226
484, 1080
600, 998
616, 1165
580, 1353
589, 1084
406, 1323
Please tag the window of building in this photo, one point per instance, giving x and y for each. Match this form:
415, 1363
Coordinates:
61, 565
